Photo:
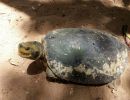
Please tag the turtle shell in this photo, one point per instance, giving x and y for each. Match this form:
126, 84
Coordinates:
85, 56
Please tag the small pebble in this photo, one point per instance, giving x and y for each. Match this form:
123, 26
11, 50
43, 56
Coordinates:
14, 62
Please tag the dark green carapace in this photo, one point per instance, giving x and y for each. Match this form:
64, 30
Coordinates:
85, 56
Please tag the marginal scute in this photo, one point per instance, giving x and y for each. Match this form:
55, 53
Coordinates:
60, 68
85, 56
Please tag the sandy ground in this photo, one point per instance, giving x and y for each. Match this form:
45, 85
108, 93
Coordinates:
23, 20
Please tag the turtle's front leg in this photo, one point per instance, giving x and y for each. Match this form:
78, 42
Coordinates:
50, 74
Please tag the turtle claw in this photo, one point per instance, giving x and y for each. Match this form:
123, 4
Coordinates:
112, 86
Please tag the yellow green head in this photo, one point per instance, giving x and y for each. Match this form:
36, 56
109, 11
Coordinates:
32, 50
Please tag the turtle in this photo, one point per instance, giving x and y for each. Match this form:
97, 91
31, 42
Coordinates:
79, 55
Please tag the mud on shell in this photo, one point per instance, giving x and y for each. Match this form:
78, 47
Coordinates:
85, 56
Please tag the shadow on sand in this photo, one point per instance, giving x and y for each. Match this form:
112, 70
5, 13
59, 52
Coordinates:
78, 13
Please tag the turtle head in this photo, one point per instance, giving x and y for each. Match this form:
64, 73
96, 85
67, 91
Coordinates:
31, 50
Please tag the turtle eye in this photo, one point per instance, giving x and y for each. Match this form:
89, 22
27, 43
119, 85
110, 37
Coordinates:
35, 54
28, 48
35, 42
